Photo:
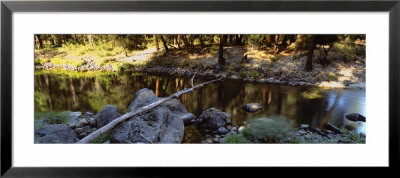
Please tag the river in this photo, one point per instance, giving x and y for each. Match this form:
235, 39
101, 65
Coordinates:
90, 91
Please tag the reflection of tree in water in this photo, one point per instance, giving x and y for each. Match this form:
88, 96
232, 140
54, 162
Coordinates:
58, 92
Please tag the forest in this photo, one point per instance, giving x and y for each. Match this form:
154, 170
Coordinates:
253, 88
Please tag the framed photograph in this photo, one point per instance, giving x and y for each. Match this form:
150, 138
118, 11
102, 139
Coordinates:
108, 88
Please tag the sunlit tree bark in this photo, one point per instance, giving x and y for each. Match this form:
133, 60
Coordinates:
156, 42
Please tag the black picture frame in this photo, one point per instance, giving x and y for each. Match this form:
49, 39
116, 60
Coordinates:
8, 7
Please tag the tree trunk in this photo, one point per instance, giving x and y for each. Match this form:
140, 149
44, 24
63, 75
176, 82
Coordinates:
52, 40
221, 59
276, 41
185, 41
310, 54
178, 41
156, 42
90, 39
164, 43
115, 122
40, 42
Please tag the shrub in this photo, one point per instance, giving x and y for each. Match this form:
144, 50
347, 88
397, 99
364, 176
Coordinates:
331, 76
50, 118
40, 61
349, 49
125, 66
317, 79
269, 130
243, 74
235, 138
254, 74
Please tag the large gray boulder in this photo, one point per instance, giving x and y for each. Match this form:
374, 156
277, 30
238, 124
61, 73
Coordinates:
59, 133
161, 125
106, 115
213, 119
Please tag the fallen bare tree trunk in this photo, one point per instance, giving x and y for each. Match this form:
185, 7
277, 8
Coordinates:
115, 122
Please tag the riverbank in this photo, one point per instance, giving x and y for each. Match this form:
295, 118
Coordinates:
261, 66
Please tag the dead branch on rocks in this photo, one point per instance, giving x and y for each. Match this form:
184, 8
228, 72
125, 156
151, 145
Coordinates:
115, 122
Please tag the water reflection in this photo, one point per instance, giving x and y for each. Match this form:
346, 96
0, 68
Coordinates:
91, 91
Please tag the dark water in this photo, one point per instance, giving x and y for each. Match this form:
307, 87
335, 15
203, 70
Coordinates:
83, 92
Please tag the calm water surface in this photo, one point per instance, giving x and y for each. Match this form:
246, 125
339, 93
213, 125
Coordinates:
57, 91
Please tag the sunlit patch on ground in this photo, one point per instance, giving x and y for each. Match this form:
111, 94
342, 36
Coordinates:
331, 84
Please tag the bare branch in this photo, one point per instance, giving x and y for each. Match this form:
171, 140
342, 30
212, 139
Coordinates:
115, 122
193, 78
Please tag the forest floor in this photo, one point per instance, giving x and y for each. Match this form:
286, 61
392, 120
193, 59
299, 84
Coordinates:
261, 66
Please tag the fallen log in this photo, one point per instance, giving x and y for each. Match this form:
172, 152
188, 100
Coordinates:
334, 128
115, 122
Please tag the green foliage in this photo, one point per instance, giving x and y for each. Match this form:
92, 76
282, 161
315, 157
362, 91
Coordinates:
349, 48
243, 74
125, 67
312, 139
257, 41
352, 137
50, 118
40, 61
106, 136
73, 61
269, 130
331, 76
295, 58
317, 78
235, 138
213, 49
254, 74
275, 58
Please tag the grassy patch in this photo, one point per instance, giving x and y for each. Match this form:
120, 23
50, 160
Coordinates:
125, 67
254, 74
243, 74
331, 76
351, 137
235, 138
106, 136
49, 118
269, 130
73, 61
275, 58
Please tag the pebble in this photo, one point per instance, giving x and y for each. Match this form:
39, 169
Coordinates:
304, 126
222, 130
